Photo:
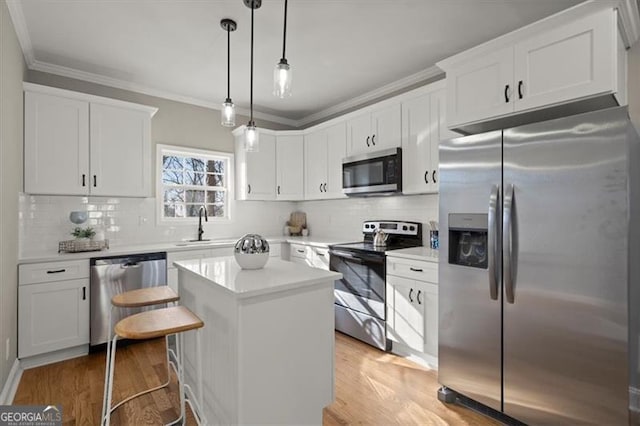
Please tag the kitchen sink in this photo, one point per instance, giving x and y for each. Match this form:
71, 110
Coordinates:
204, 242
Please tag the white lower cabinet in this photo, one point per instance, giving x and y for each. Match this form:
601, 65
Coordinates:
412, 306
316, 257
54, 314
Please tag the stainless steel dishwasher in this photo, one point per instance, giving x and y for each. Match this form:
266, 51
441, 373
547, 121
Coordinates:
113, 275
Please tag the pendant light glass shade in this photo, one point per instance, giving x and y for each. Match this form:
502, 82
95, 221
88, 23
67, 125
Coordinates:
251, 138
228, 113
282, 79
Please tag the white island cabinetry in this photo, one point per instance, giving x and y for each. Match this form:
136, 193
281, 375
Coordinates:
267, 348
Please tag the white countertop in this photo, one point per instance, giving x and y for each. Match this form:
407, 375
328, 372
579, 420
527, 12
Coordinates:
415, 253
167, 247
277, 275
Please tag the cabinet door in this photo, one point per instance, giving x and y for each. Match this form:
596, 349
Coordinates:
52, 316
429, 303
406, 315
359, 135
336, 152
573, 61
481, 88
56, 145
120, 151
261, 170
439, 132
320, 258
315, 164
417, 170
386, 126
289, 168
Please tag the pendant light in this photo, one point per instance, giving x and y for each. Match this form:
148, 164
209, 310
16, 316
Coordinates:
228, 108
282, 72
251, 136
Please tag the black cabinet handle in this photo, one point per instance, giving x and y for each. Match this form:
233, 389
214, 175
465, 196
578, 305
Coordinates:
373, 140
520, 89
320, 254
300, 251
418, 297
84, 293
433, 176
249, 190
410, 293
324, 187
57, 271
320, 187
416, 269
95, 181
368, 141
84, 180
426, 177
506, 93
278, 189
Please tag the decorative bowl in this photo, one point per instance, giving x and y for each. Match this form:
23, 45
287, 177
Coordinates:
251, 251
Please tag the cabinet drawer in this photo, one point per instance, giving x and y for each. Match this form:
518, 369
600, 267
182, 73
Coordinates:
299, 250
413, 269
52, 271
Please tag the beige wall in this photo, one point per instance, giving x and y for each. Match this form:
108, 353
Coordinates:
12, 73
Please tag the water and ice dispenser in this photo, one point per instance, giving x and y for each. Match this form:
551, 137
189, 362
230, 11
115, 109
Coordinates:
468, 240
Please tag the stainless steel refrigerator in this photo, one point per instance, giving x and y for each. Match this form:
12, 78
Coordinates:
539, 266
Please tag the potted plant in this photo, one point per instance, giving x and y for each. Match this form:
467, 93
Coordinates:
83, 234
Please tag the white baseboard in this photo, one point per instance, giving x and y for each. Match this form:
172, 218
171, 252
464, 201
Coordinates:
51, 357
11, 385
421, 358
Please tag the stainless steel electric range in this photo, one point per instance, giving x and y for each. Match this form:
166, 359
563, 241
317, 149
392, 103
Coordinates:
360, 296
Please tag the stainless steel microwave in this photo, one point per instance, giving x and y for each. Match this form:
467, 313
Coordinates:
375, 173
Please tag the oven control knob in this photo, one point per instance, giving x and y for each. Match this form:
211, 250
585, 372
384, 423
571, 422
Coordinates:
412, 228
373, 226
404, 228
367, 226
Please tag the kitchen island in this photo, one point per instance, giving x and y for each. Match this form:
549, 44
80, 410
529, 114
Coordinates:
266, 353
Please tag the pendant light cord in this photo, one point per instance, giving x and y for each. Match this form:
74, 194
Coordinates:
228, 61
284, 36
251, 86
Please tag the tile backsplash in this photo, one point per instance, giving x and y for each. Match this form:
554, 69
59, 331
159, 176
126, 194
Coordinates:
44, 220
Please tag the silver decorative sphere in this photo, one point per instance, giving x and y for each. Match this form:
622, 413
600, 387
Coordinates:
251, 251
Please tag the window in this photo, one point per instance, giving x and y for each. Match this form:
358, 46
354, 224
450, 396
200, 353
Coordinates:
189, 179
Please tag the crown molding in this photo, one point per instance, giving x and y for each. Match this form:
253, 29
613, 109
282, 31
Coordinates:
20, 25
373, 95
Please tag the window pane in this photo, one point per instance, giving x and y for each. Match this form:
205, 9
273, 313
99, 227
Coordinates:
215, 210
215, 166
173, 195
195, 196
192, 178
215, 197
180, 210
172, 162
169, 210
196, 164
172, 177
215, 180
193, 210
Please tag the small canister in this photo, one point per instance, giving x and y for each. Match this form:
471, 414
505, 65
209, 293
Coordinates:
434, 240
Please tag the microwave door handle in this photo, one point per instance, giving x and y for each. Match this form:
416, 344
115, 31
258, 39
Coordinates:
508, 243
493, 249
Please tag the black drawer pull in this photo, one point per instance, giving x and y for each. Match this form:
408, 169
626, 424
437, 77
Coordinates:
419, 301
249, 189
320, 187
278, 189
57, 271
410, 293
300, 251
324, 187
416, 269
84, 293
426, 177
368, 140
520, 89
433, 176
95, 181
84, 180
506, 93
373, 140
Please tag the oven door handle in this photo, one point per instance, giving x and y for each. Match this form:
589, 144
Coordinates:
357, 258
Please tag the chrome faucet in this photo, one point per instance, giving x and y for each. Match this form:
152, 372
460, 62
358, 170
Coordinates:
200, 230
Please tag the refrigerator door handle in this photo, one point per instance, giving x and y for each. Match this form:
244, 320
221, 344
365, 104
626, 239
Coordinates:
494, 252
508, 243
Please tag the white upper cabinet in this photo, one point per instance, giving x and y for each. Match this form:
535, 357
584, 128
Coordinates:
78, 144
324, 151
256, 171
56, 149
289, 167
375, 130
423, 127
120, 151
550, 63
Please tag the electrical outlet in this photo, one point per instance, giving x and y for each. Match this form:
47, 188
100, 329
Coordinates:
7, 347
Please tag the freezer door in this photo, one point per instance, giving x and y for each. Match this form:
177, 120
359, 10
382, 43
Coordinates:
565, 270
469, 270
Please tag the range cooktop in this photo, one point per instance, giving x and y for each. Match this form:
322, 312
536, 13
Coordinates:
400, 235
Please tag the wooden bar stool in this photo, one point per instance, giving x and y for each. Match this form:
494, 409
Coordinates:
148, 325
149, 296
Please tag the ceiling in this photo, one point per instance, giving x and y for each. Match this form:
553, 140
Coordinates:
342, 52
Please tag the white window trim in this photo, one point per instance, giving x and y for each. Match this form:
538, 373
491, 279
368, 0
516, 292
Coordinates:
188, 151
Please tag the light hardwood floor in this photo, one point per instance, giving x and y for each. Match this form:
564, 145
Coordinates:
372, 387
